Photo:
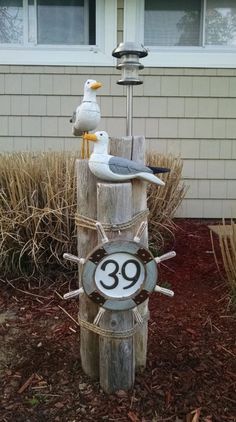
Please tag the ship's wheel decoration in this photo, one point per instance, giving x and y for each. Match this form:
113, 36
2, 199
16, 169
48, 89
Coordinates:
118, 275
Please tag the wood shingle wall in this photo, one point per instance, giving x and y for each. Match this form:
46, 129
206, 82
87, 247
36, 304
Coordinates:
188, 112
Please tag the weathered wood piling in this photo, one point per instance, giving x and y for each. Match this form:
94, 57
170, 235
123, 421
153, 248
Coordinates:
113, 360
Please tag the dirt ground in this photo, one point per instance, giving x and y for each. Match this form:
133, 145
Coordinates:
191, 367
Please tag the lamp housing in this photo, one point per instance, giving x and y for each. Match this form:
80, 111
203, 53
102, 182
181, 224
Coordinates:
129, 54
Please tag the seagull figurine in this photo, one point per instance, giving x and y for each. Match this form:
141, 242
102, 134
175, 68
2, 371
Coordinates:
118, 169
87, 115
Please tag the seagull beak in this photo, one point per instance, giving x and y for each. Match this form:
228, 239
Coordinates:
90, 137
96, 85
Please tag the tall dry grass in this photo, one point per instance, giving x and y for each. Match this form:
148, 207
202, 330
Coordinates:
38, 205
163, 202
226, 235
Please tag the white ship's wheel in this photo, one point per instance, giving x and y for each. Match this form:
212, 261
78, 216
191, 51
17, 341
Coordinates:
119, 275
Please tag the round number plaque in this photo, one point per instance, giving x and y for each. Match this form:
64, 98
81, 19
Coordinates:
119, 275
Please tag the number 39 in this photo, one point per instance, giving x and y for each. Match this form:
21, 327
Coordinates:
122, 271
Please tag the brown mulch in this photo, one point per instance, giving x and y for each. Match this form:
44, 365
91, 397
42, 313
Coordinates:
191, 368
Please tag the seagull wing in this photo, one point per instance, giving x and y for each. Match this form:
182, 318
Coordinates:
73, 117
119, 165
76, 130
78, 111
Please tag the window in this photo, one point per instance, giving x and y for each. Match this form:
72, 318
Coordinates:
186, 23
53, 18
37, 31
195, 32
47, 22
11, 22
172, 23
220, 22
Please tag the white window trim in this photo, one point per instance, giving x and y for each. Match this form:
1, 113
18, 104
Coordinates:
208, 56
99, 55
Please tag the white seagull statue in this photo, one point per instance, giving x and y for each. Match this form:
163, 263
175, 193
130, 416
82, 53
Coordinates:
118, 169
87, 115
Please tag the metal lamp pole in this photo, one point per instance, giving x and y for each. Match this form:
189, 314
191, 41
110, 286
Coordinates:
129, 110
129, 54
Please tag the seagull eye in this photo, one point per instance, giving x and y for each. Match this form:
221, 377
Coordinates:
101, 134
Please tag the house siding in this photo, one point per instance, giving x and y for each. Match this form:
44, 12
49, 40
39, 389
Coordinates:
190, 113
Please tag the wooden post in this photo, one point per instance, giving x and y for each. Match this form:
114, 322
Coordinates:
87, 240
117, 362
121, 147
140, 204
107, 203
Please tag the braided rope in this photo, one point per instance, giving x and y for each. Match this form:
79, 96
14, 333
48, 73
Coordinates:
90, 223
110, 333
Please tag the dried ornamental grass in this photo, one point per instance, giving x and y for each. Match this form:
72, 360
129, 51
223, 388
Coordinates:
164, 201
227, 240
38, 206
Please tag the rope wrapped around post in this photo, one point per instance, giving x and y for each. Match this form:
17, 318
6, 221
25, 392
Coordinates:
90, 223
109, 333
